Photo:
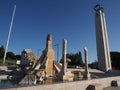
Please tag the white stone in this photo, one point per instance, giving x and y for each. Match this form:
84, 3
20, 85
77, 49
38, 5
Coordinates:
86, 73
103, 52
64, 68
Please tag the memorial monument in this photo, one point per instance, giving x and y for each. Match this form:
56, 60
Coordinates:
49, 52
103, 53
41, 68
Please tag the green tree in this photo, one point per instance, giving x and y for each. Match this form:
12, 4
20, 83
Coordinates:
18, 57
94, 65
2, 51
115, 59
76, 59
10, 55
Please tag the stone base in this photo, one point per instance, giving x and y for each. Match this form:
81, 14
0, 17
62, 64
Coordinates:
49, 80
87, 76
68, 76
65, 78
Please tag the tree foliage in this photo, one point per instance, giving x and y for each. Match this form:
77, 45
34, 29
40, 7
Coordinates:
115, 59
18, 57
76, 59
2, 51
10, 55
94, 65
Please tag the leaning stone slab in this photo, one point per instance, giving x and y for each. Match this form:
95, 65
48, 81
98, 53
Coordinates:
95, 86
115, 83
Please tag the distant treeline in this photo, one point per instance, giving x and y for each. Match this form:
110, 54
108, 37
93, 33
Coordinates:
115, 61
9, 55
76, 59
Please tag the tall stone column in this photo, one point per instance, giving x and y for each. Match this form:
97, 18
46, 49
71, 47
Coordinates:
103, 53
86, 59
86, 73
64, 68
49, 54
49, 42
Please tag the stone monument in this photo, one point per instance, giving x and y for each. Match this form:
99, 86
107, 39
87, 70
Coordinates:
28, 57
42, 68
103, 53
86, 73
49, 52
64, 57
65, 75
46, 60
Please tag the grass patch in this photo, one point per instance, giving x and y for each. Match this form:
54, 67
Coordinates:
8, 61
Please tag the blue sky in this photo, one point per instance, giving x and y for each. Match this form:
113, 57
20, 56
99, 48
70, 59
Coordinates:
69, 19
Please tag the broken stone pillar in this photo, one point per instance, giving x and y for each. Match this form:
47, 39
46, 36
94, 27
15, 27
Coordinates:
46, 60
43, 67
86, 74
49, 42
49, 53
65, 75
64, 68
28, 57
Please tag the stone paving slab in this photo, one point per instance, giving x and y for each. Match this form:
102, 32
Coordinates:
112, 88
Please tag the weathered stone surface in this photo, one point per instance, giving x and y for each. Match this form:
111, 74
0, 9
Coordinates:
40, 68
49, 53
65, 75
49, 41
64, 68
28, 58
46, 60
29, 79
